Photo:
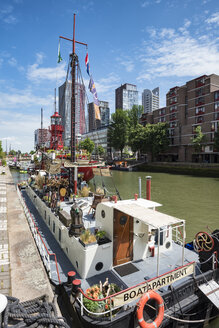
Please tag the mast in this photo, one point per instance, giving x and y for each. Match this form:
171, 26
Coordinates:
73, 109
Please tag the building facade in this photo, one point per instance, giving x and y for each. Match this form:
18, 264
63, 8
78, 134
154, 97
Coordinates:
150, 100
95, 124
65, 91
99, 137
41, 138
194, 104
126, 96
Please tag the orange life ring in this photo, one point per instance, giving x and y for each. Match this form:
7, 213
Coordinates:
140, 307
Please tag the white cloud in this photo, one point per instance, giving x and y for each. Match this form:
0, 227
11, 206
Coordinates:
6, 15
127, 63
23, 99
177, 53
214, 19
37, 74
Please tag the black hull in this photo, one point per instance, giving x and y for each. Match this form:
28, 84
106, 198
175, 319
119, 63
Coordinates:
185, 302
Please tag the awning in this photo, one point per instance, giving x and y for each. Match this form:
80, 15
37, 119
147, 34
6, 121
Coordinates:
146, 215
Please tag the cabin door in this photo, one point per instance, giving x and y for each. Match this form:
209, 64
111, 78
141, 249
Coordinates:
122, 238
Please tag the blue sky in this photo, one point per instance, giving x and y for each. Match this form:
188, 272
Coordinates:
149, 43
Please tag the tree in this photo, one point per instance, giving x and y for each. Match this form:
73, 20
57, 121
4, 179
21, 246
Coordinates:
99, 150
32, 152
12, 152
118, 130
136, 138
216, 141
134, 114
87, 144
198, 139
155, 139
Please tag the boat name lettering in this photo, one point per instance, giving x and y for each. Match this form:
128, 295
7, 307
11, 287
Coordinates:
154, 284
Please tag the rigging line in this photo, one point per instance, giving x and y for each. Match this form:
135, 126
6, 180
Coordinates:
182, 320
207, 282
118, 194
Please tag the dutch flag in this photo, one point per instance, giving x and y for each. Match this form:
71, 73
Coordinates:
87, 64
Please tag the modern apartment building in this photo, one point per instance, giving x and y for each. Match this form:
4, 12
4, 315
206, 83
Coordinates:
150, 100
65, 110
126, 96
95, 124
99, 137
194, 104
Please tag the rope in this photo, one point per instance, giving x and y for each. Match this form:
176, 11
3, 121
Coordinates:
183, 320
31, 314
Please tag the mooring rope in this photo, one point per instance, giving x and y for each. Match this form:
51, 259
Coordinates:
35, 313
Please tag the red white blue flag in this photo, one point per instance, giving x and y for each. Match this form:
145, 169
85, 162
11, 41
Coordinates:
87, 64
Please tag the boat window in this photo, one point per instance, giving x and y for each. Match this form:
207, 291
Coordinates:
99, 266
103, 214
54, 227
123, 220
49, 220
45, 215
60, 235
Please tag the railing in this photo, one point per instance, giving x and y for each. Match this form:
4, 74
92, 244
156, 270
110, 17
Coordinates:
43, 250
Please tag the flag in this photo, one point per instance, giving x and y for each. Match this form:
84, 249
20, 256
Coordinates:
87, 64
96, 101
59, 54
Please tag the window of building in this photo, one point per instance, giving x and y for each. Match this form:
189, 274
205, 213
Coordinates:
216, 105
216, 95
199, 119
173, 108
173, 116
162, 119
173, 100
173, 124
200, 110
199, 82
200, 92
162, 111
199, 101
216, 116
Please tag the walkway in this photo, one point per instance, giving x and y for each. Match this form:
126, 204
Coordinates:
22, 274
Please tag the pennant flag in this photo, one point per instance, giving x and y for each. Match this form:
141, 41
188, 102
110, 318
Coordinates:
59, 54
96, 101
87, 64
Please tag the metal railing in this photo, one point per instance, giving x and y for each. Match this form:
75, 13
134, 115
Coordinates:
43, 250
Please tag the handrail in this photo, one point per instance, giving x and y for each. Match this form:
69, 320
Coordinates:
50, 254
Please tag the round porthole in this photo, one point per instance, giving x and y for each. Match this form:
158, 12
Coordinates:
103, 214
167, 245
123, 220
99, 266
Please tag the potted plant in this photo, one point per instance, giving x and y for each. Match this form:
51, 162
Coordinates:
87, 238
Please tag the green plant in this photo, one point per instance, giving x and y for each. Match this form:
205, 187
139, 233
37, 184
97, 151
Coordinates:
100, 234
87, 237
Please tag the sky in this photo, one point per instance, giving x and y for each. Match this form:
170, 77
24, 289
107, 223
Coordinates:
149, 43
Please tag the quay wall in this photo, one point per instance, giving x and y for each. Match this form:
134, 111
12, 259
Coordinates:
196, 169
27, 274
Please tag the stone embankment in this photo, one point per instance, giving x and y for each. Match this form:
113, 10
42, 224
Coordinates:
22, 274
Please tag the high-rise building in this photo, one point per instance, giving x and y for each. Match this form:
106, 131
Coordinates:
126, 96
150, 100
95, 124
41, 138
194, 104
65, 109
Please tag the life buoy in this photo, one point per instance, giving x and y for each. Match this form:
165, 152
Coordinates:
140, 307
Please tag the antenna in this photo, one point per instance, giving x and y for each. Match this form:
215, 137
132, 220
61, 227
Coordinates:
55, 99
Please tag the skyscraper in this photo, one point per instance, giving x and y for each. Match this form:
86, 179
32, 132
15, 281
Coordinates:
95, 124
150, 100
126, 96
65, 110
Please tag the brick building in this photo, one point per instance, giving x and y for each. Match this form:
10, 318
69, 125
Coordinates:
194, 104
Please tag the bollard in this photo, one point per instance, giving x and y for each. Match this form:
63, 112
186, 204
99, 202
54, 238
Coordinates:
71, 277
114, 198
136, 196
76, 284
139, 187
148, 188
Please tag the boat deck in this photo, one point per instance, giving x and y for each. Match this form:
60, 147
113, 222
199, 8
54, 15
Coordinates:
131, 274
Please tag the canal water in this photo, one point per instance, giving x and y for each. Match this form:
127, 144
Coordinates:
194, 199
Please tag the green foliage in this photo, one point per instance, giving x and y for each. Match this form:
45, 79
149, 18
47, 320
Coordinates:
216, 141
118, 130
198, 140
134, 114
99, 150
12, 152
32, 152
136, 138
87, 144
